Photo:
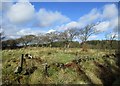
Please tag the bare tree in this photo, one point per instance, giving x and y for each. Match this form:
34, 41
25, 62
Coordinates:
110, 37
52, 37
39, 40
71, 34
45, 39
86, 32
27, 39
63, 36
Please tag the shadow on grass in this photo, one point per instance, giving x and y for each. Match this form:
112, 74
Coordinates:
105, 73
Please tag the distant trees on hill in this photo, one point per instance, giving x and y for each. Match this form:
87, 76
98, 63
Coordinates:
103, 44
93, 44
60, 39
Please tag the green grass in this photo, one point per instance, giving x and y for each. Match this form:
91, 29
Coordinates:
10, 60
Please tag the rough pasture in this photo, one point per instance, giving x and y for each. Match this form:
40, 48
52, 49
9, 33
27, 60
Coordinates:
72, 66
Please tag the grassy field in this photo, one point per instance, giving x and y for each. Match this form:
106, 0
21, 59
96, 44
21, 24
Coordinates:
94, 68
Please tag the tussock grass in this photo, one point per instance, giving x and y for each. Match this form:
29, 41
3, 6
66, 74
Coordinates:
90, 73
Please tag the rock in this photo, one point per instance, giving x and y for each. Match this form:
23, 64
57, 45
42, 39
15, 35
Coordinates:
28, 56
18, 70
56, 64
61, 65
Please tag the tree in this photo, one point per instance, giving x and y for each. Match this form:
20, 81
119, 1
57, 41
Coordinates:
63, 36
86, 32
43, 39
11, 43
52, 37
27, 39
39, 40
72, 33
110, 37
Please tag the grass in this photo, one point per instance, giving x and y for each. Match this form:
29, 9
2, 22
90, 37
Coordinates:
89, 71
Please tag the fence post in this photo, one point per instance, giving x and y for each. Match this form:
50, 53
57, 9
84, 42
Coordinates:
20, 67
21, 61
46, 66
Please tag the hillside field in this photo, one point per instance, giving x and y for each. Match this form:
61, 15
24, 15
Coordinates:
94, 66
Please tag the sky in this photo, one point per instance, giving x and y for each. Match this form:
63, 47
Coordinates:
63, 0
24, 18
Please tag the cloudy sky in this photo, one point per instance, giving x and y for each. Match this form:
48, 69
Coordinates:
23, 18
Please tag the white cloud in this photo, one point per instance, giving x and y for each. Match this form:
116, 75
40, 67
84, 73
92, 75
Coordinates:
110, 11
92, 37
109, 17
48, 18
111, 35
103, 26
114, 34
10, 29
28, 31
114, 23
21, 12
12, 37
72, 24
90, 17
51, 30
0, 6
1, 29
25, 32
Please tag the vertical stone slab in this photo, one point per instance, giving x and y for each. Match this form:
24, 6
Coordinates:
21, 61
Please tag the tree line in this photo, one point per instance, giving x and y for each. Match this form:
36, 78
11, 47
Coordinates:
64, 39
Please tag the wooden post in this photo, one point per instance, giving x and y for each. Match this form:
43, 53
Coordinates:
21, 61
19, 68
46, 66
